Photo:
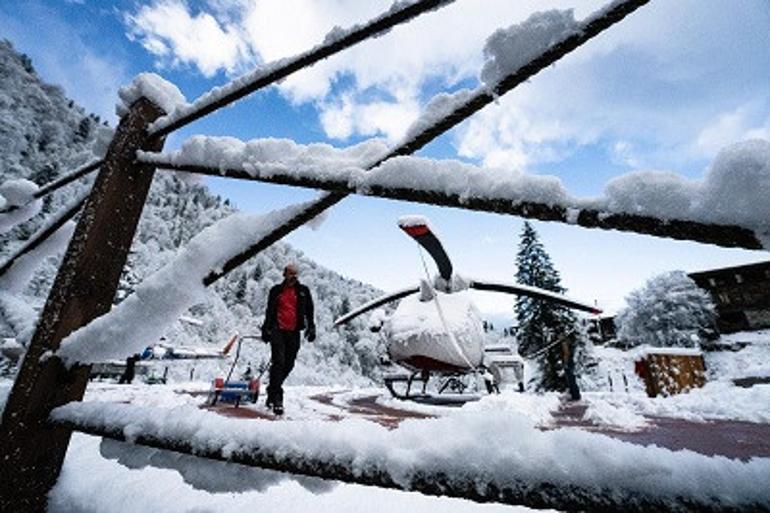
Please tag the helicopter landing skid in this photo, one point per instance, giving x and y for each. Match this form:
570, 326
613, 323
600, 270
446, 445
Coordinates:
455, 398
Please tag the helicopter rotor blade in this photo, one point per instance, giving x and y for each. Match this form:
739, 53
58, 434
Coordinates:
418, 228
371, 305
534, 292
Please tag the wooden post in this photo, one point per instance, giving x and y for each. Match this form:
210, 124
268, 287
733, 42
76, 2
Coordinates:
31, 450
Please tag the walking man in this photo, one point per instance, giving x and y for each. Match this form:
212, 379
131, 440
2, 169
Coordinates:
289, 310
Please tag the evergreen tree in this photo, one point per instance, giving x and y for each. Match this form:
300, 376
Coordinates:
541, 323
669, 310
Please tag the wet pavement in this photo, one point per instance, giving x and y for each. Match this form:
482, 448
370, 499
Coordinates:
730, 438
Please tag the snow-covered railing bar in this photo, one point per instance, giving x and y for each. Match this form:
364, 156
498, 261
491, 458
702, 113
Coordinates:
474, 485
612, 15
244, 86
680, 229
59, 183
43, 234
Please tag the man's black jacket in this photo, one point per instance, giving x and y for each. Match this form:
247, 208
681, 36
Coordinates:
305, 318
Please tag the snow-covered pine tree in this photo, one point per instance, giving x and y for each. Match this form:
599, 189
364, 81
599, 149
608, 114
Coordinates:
542, 323
669, 310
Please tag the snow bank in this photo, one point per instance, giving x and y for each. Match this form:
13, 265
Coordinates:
507, 50
163, 297
717, 400
18, 193
163, 93
751, 361
536, 407
505, 448
617, 415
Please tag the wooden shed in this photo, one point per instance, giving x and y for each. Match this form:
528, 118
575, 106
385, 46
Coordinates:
671, 370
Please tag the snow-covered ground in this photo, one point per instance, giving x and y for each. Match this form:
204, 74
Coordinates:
511, 431
719, 399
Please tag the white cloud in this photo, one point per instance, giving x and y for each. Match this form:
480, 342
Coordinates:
347, 117
740, 124
623, 153
629, 86
443, 46
168, 30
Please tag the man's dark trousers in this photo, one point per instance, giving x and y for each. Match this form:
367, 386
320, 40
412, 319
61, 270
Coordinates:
283, 346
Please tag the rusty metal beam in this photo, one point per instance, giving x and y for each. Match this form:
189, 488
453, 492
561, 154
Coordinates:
680, 229
473, 486
31, 450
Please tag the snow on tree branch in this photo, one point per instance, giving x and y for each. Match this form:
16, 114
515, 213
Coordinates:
669, 310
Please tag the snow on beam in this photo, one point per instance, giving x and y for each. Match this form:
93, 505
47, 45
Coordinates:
336, 41
708, 233
491, 457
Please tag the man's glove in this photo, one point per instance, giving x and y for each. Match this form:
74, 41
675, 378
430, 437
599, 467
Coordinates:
310, 333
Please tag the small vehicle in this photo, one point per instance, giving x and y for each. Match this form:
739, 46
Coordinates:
237, 390
506, 366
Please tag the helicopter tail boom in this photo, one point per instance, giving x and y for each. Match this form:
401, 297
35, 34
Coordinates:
418, 228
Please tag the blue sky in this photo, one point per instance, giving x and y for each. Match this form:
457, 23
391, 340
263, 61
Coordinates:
665, 90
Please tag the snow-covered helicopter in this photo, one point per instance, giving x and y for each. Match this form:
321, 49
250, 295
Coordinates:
437, 329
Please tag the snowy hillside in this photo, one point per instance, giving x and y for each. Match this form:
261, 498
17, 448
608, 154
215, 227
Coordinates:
43, 135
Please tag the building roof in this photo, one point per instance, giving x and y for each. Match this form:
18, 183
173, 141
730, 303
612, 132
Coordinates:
759, 266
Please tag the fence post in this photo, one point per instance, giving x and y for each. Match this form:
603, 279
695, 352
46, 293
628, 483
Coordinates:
31, 450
